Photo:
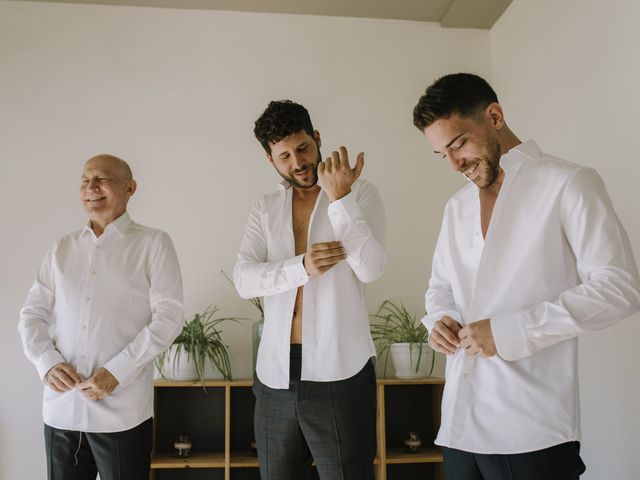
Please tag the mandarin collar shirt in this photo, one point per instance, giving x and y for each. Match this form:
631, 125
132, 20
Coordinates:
335, 323
113, 301
556, 262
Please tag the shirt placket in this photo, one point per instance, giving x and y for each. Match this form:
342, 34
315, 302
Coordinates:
83, 365
463, 397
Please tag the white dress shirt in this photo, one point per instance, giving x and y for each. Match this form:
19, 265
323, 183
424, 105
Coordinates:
335, 323
113, 301
556, 262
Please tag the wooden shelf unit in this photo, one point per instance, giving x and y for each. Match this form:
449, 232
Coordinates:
222, 420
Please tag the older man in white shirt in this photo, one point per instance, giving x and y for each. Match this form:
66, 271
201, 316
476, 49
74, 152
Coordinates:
309, 249
106, 301
530, 255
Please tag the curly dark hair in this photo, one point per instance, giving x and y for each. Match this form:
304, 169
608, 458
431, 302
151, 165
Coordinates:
463, 94
281, 119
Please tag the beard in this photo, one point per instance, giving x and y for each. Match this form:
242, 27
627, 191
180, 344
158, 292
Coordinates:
491, 164
314, 174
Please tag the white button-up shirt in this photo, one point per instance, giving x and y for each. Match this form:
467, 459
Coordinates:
335, 324
113, 301
556, 262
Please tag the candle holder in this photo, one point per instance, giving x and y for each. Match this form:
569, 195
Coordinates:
182, 446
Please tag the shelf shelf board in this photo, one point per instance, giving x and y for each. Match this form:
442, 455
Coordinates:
207, 383
244, 459
196, 460
424, 455
247, 382
412, 381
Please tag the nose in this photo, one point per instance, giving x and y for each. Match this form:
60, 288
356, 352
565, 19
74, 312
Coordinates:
297, 161
93, 183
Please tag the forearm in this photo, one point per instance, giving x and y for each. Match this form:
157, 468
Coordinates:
260, 279
360, 226
596, 304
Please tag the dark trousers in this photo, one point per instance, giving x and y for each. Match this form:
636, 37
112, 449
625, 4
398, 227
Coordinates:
330, 423
561, 462
75, 455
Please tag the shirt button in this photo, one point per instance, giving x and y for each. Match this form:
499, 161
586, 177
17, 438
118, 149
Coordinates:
93, 272
84, 327
87, 298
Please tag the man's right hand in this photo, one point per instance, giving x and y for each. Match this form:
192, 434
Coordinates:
444, 336
62, 377
321, 257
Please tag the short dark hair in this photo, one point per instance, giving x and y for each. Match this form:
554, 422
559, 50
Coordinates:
463, 94
281, 119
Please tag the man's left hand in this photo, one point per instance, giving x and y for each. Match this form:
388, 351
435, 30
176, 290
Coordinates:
99, 385
477, 337
337, 176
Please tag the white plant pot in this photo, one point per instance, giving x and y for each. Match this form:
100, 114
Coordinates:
404, 357
186, 370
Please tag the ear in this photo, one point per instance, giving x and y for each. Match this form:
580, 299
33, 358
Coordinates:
316, 137
269, 157
131, 188
495, 115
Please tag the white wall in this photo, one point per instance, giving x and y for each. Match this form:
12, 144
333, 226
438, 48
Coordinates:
175, 93
567, 74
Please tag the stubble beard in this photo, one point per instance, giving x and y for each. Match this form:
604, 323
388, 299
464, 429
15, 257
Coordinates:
314, 172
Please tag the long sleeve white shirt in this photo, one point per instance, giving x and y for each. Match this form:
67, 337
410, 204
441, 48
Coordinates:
556, 262
335, 323
113, 301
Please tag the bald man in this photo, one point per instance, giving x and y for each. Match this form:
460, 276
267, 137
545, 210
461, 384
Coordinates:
106, 301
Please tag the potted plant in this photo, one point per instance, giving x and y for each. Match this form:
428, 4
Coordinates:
400, 335
198, 352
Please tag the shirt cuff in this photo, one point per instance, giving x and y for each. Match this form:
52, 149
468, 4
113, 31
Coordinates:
47, 361
510, 336
344, 210
296, 271
123, 369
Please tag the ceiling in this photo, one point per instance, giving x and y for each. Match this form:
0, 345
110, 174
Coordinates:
448, 13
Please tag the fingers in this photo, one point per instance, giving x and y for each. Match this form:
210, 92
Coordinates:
71, 373
327, 256
322, 256
325, 245
338, 159
444, 336
62, 377
91, 390
357, 169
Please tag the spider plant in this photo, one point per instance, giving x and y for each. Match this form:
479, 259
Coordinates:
201, 341
395, 324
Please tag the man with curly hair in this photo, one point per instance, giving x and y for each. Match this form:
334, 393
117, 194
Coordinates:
309, 249
530, 255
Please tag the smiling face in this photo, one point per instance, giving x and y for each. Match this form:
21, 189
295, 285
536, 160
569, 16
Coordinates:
470, 145
105, 188
296, 158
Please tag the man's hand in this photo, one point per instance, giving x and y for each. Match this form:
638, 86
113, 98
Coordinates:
99, 385
337, 176
62, 377
444, 336
320, 257
477, 337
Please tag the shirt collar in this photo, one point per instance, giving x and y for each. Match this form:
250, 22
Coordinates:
119, 225
514, 157
283, 186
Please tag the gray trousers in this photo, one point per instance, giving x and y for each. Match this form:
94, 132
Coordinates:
330, 423
73, 455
